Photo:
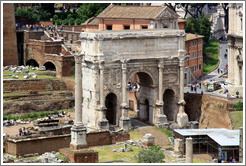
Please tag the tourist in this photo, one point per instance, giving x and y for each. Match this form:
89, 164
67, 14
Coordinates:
218, 70
221, 71
195, 87
20, 132
200, 85
191, 87
233, 160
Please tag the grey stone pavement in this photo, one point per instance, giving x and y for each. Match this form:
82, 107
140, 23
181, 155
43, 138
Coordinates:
214, 75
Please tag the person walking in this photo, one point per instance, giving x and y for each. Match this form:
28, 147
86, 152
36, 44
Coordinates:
218, 70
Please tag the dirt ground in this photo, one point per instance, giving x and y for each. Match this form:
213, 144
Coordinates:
14, 130
160, 137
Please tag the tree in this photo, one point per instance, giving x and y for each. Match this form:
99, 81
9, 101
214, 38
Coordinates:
65, 22
200, 26
88, 10
71, 21
151, 155
78, 21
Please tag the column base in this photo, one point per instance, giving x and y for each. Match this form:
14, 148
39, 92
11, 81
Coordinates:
161, 121
80, 156
125, 124
103, 124
78, 136
182, 119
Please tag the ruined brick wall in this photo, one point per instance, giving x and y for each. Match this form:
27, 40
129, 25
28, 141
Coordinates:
210, 111
35, 35
10, 54
38, 145
33, 85
99, 138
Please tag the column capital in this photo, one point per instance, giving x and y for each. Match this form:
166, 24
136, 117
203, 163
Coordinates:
78, 57
124, 63
101, 65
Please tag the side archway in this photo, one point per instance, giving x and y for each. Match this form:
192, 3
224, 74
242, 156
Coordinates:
32, 62
50, 66
111, 105
169, 104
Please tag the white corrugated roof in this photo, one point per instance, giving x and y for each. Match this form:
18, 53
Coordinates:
224, 137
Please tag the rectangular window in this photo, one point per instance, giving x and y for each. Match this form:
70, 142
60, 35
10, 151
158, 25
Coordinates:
185, 76
193, 43
109, 27
126, 27
144, 27
200, 66
195, 67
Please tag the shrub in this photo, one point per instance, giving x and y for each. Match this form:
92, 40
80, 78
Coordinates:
78, 21
151, 155
65, 22
71, 21
238, 106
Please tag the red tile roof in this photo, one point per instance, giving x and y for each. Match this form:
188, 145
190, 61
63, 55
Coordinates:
130, 12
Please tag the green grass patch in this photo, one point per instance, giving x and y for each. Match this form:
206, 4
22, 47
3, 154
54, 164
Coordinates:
36, 115
106, 153
21, 75
236, 119
72, 76
210, 61
167, 132
198, 161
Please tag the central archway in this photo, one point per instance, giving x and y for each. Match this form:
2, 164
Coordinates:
169, 104
111, 105
141, 83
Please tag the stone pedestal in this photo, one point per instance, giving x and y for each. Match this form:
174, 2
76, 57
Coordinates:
189, 150
148, 140
78, 137
80, 156
178, 145
103, 123
182, 119
125, 124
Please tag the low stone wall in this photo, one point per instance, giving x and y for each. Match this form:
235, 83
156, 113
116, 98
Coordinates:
18, 147
33, 85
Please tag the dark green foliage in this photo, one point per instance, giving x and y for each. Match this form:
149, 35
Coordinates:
71, 21
88, 10
58, 22
78, 21
65, 22
151, 155
238, 106
200, 26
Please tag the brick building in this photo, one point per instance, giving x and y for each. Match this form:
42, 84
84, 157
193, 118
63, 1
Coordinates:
133, 17
194, 48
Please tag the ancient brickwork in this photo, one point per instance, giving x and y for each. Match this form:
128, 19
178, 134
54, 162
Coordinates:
33, 85
10, 54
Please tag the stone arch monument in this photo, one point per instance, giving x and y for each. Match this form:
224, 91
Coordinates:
109, 58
